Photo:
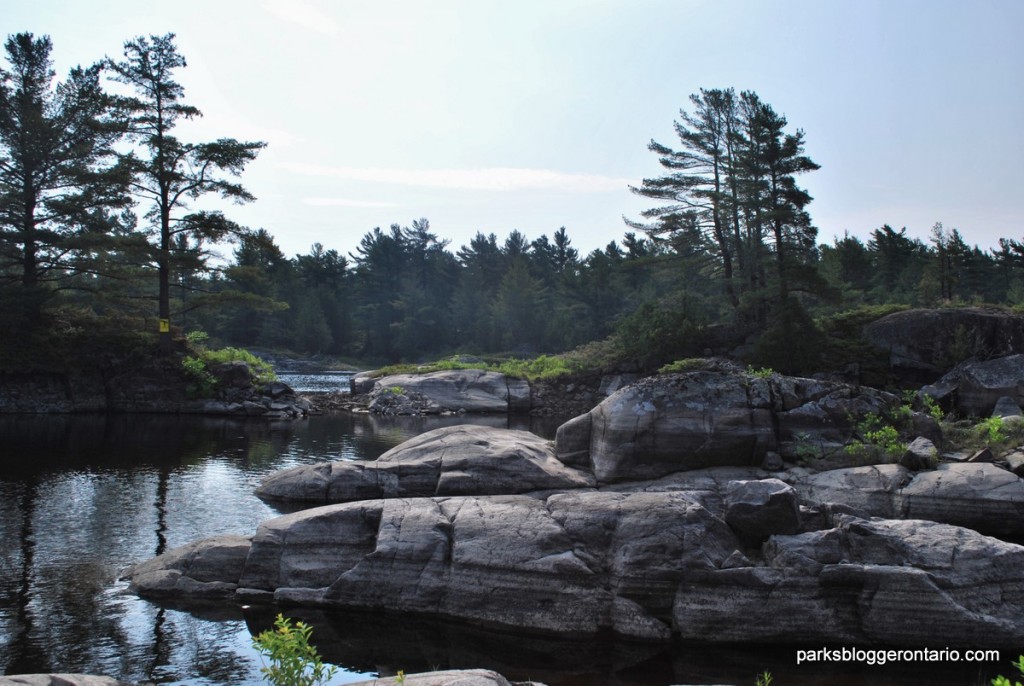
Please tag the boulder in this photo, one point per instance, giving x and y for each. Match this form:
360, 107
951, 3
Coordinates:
451, 677
59, 680
870, 489
467, 390
898, 583
923, 344
693, 420
758, 509
644, 565
454, 460
975, 387
1015, 461
920, 454
979, 496
1006, 407
197, 569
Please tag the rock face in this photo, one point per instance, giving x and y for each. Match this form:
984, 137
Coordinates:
469, 390
701, 419
457, 460
646, 565
59, 680
981, 496
922, 344
907, 583
975, 387
451, 677
157, 387
622, 525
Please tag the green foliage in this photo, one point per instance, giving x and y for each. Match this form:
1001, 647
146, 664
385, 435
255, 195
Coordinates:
543, 367
991, 431
926, 403
201, 382
762, 373
197, 364
658, 332
1003, 681
689, 364
879, 435
791, 343
764, 679
293, 660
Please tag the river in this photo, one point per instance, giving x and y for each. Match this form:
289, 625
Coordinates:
83, 497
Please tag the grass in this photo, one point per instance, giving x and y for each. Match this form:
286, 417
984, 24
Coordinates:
593, 358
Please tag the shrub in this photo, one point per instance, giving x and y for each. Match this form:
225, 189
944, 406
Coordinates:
1003, 681
293, 660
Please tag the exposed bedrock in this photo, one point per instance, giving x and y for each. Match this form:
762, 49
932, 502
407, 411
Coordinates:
467, 390
646, 565
457, 460
676, 422
980, 496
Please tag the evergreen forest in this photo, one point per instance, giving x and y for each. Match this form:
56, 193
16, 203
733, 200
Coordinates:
97, 232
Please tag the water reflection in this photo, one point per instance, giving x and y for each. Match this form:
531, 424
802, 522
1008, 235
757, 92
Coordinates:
84, 497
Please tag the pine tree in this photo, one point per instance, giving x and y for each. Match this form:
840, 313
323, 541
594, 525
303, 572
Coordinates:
170, 173
59, 185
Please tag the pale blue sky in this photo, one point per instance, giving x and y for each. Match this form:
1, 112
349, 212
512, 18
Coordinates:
534, 114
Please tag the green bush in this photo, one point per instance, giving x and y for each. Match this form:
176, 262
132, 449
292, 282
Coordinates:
293, 660
197, 363
1003, 681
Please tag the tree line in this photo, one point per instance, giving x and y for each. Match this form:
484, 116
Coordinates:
95, 215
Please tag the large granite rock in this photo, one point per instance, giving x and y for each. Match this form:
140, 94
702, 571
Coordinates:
700, 419
468, 390
923, 344
450, 677
645, 565
980, 496
976, 386
903, 583
59, 680
456, 460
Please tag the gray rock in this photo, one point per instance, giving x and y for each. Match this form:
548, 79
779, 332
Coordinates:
904, 583
455, 460
469, 390
699, 419
1015, 461
981, 496
872, 489
978, 385
1006, 407
677, 422
198, 569
772, 462
929, 342
59, 680
452, 677
362, 383
645, 565
920, 454
759, 509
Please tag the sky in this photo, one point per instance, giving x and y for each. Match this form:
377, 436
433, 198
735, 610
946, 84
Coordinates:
488, 116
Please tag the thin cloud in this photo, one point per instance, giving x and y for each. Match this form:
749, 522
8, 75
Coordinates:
490, 179
302, 13
345, 202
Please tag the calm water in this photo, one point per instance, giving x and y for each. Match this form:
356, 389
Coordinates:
83, 497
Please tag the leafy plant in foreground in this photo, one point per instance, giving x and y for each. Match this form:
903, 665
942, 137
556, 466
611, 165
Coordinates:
293, 661
1003, 681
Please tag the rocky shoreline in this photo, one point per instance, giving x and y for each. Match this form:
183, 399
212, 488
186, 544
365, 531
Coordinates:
709, 505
